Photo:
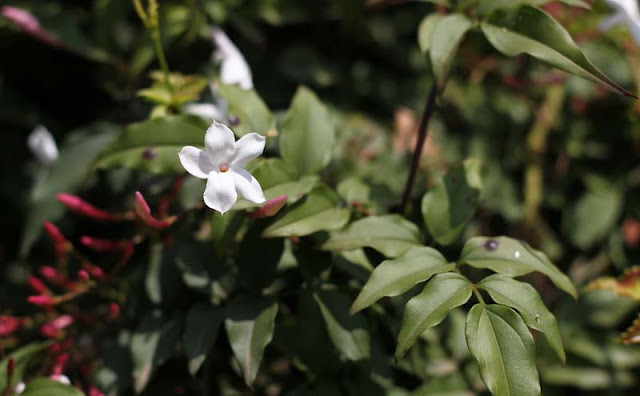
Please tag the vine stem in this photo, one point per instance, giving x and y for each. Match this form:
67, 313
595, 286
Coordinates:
417, 151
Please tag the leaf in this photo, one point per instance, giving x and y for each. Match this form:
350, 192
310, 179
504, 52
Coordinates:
627, 284
394, 277
200, 333
504, 348
525, 299
513, 258
152, 343
595, 214
441, 294
353, 190
21, 357
425, 31
247, 106
485, 7
307, 133
445, 39
257, 257
348, 333
448, 206
391, 235
153, 145
48, 387
319, 211
77, 154
250, 323
527, 29
162, 280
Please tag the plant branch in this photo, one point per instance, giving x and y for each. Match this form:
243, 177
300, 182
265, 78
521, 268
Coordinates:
417, 151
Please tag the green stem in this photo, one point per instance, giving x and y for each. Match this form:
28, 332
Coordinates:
155, 36
476, 292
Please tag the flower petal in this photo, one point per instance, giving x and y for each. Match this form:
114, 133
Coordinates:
235, 69
248, 147
43, 145
205, 110
220, 193
195, 161
247, 186
220, 144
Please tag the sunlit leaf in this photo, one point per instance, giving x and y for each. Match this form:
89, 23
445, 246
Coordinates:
445, 39
248, 108
627, 285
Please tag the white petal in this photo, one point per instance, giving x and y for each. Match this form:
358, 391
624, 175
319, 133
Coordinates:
63, 379
247, 186
248, 147
611, 21
220, 144
19, 388
628, 6
205, 110
43, 145
195, 161
235, 69
220, 193
634, 28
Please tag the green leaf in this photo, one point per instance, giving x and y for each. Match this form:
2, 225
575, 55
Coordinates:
504, 348
353, 190
257, 257
391, 235
394, 277
200, 333
425, 31
513, 258
253, 115
153, 145
77, 154
348, 333
307, 134
249, 324
525, 299
21, 357
595, 214
441, 294
48, 387
445, 39
162, 280
319, 211
485, 7
152, 343
527, 29
451, 203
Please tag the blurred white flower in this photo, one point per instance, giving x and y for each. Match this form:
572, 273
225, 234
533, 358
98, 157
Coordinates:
625, 11
61, 378
19, 388
235, 69
222, 164
216, 111
43, 145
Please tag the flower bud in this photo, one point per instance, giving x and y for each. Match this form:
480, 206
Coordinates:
8, 325
81, 207
42, 301
29, 24
83, 276
37, 285
144, 213
11, 368
60, 244
270, 208
95, 271
104, 245
114, 311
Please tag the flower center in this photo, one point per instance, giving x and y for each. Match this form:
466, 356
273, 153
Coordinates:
224, 168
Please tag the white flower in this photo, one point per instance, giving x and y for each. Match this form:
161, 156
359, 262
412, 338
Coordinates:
61, 378
19, 388
235, 69
626, 11
222, 164
43, 146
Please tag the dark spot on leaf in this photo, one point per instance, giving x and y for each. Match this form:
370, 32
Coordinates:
491, 245
233, 120
149, 153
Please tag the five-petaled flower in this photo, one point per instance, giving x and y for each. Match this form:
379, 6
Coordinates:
222, 164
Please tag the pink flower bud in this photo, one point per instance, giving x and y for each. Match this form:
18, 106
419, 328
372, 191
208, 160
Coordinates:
104, 245
60, 244
37, 285
94, 271
93, 391
29, 24
42, 301
8, 325
144, 213
114, 311
58, 366
83, 276
79, 206
270, 208
11, 368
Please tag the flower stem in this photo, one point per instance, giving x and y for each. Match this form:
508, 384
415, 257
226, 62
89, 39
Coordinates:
417, 152
476, 292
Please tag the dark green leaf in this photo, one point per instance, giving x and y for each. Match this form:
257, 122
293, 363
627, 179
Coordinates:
153, 145
200, 333
348, 333
441, 294
448, 206
445, 39
319, 211
391, 235
307, 133
529, 30
258, 258
504, 348
394, 277
21, 357
249, 324
512, 257
48, 387
526, 300
248, 107
162, 281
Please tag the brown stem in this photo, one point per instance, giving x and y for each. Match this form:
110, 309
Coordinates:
417, 152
